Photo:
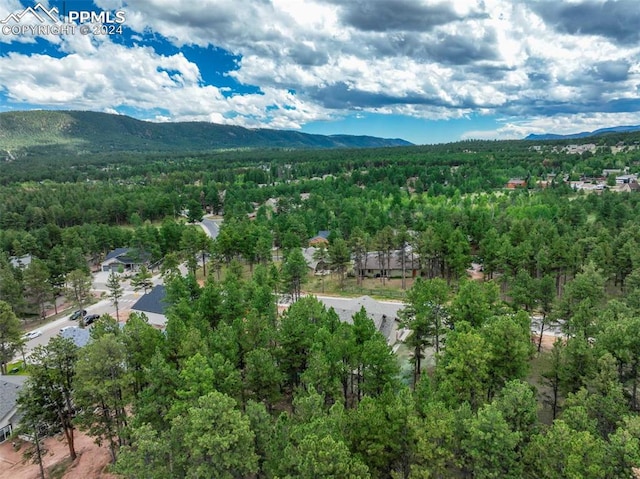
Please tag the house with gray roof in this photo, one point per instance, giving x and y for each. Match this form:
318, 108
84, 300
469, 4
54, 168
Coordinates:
21, 262
384, 314
314, 264
79, 336
154, 306
10, 387
376, 265
127, 259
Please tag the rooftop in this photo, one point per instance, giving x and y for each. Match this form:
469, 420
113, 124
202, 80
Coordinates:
382, 313
9, 389
153, 301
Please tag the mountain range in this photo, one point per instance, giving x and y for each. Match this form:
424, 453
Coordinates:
585, 134
86, 132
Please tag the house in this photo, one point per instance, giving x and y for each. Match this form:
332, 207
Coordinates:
624, 179
79, 336
321, 238
579, 149
272, 203
384, 314
514, 183
626, 187
587, 186
21, 262
154, 306
129, 259
375, 265
10, 387
315, 265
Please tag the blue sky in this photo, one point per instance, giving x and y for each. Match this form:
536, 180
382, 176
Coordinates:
428, 71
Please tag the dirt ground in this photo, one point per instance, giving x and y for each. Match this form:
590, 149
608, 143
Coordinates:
547, 341
90, 463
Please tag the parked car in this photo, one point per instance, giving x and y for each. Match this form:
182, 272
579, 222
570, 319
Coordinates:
76, 314
90, 318
32, 335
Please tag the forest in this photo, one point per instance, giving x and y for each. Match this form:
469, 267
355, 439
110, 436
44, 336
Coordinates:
237, 388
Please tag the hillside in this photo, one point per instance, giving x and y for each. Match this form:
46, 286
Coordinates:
585, 134
84, 132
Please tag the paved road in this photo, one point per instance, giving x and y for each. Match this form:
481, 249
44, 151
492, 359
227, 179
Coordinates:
211, 227
104, 306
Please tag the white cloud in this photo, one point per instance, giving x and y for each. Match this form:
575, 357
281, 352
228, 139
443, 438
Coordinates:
559, 124
494, 57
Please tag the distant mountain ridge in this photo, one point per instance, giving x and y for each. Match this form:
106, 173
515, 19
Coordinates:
584, 134
86, 131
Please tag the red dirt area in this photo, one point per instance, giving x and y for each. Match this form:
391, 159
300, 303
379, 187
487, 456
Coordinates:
90, 463
547, 341
475, 272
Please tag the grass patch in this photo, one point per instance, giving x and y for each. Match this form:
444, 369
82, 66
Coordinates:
392, 289
57, 471
16, 368
538, 365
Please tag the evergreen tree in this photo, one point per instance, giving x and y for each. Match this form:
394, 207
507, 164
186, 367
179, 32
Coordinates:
424, 315
47, 396
36, 284
339, 258
142, 280
294, 272
10, 335
115, 291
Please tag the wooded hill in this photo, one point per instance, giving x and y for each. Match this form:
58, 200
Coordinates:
303, 394
86, 131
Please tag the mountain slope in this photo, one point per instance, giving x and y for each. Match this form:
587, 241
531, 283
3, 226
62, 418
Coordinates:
584, 134
84, 131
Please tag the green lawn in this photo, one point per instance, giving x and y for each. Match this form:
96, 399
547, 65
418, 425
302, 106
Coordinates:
392, 289
16, 369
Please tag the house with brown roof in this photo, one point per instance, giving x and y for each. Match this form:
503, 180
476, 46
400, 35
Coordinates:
514, 183
321, 238
633, 186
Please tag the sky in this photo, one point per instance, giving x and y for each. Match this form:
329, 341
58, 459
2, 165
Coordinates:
427, 71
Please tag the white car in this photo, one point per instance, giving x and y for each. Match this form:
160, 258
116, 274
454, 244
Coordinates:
32, 335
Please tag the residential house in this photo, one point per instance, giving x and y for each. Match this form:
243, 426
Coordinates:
79, 336
579, 149
599, 186
316, 266
154, 306
377, 265
623, 179
127, 259
321, 238
272, 203
21, 262
10, 387
626, 187
514, 183
384, 314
